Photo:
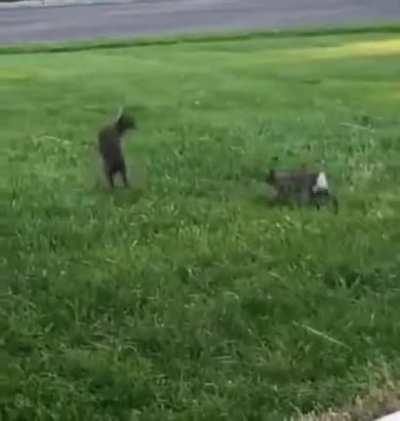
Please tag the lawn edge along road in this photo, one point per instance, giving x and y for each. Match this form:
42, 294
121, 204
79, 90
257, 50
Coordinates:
170, 39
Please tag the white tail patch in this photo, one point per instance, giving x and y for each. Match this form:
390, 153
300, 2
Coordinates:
321, 183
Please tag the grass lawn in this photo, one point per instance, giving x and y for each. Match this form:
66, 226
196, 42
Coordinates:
187, 297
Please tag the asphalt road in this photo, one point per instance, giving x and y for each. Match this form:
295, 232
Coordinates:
144, 17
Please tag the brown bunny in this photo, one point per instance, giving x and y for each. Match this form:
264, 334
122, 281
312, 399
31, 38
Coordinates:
110, 148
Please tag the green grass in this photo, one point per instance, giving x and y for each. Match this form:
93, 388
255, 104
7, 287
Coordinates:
187, 297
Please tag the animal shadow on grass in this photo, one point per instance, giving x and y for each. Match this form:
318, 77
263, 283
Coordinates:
263, 198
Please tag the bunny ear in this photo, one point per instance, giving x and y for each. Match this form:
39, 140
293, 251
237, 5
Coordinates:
270, 177
120, 112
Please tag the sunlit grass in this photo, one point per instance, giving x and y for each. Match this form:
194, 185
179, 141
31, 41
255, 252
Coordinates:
374, 49
187, 297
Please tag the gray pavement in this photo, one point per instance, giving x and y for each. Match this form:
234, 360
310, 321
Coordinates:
122, 18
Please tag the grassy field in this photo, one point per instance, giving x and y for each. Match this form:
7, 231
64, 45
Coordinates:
187, 297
